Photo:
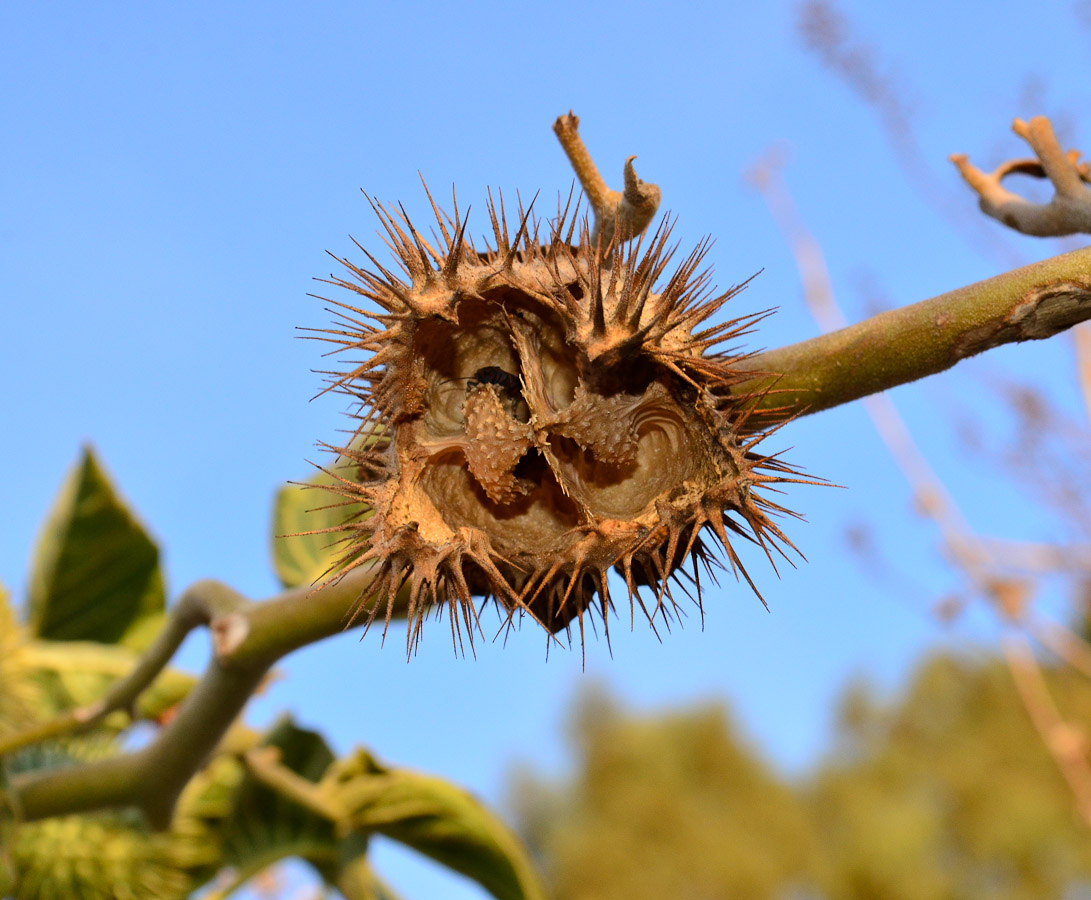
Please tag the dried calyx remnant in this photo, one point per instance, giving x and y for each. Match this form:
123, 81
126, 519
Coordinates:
533, 415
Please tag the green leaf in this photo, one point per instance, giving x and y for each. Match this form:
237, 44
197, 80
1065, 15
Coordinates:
7, 615
18, 692
8, 820
380, 890
77, 673
96, 574
356, 880
300, 555
265, 826
439, 820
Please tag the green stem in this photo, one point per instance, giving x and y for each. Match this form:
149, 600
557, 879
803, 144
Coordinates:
197, 606
903, 345
152, 778
887, 350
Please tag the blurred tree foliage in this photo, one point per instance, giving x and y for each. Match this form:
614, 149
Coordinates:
943, 793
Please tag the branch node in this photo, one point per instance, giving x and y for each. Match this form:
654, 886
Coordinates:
91, 712
228, 633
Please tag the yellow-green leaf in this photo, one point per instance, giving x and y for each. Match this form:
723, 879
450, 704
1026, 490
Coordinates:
95, 574
356, 880
8, 625
264, 825
21, 694
80, 672
439, 820
303, 550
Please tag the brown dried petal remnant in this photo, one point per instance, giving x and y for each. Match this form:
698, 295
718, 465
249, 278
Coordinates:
534, 415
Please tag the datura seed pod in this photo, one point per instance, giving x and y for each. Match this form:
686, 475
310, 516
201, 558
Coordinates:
532, 416
98, 857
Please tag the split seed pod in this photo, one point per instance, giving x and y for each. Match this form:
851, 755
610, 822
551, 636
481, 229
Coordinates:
532, 416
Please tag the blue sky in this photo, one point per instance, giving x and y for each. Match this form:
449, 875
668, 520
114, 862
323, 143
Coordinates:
172, 175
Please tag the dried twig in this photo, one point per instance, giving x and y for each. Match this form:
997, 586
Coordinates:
627, 212
1069, 212
1065, 643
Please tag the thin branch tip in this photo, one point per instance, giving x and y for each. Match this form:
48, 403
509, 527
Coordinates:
1067, 212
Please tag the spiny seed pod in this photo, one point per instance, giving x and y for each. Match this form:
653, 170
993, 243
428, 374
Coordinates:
102, 857
535, 415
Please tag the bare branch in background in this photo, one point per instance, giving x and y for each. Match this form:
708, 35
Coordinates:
1069, 212
1040, 559
1046, 456
984, 570
931, 496
827, 32
1066, 742
1081, 335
